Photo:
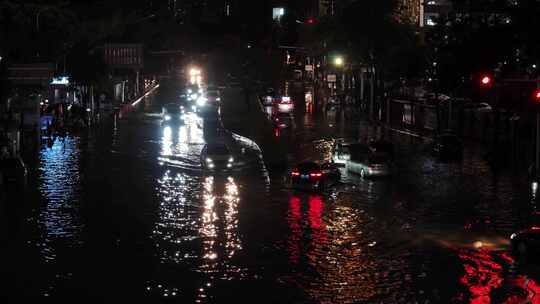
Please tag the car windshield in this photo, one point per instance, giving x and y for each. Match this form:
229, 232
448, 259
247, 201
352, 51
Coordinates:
284, 116
217, 149
377, 159
382, 146
308, 166
173, 108
449, 139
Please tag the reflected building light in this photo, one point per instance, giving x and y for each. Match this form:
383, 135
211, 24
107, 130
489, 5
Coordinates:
232, 199
166, 142
59, 182
209, 218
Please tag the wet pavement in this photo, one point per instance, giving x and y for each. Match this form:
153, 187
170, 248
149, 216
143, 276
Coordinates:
125, 212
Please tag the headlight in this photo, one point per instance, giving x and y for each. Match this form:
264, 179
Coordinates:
209, 160
194, 96
210, 166
189, 91
167, 117
229, 165
513, 236
231, 159
201, 101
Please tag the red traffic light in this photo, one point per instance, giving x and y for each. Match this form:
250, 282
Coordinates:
536, 95
485, 80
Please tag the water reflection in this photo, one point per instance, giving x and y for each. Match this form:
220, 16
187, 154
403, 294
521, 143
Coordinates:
60, 184
488, 278
219, 232
202, 236
181, 144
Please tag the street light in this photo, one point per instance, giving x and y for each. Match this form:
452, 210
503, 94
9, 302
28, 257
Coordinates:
339, 61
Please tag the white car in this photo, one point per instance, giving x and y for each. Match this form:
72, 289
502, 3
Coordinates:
342, 153
217, 156
481, 107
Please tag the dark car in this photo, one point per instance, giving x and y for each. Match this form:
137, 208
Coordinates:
382, 147
526, 243
217, 156
282, 120
172, 112
312, 176
12, 172
448, 146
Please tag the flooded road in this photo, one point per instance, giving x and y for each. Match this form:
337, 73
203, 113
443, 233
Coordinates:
125, 212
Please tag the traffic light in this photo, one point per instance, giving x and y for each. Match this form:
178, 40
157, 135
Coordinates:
485, 80
536, 96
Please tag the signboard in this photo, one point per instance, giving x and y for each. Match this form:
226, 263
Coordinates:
331, 78
277, 13
123, 55
63, 80
430, 119
407, 114
31, 74
309, 67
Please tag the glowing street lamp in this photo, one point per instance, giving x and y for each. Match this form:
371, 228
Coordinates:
339, 61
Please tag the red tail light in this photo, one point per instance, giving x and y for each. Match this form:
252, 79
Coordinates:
535, 228
315, 174
295, 173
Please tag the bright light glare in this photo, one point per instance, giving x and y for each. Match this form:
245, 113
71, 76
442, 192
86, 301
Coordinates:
231, 159
167, 117
201, 101
486, 80
338, 61
194, 72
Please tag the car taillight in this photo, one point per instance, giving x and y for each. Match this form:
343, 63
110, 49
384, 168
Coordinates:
295, 173
315, 174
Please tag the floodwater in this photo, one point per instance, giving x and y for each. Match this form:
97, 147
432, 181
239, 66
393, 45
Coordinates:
125, 211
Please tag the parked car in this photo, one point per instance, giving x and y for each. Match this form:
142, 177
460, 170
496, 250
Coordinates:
382, 147
448, 146
217, 156
369, 164
312, 176
480, 107
13, 172
526, 243
341, 153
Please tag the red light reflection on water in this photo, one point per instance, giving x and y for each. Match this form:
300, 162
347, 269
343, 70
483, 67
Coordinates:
308, 231
483, 275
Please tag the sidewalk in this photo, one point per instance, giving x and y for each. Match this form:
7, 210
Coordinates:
250, 121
